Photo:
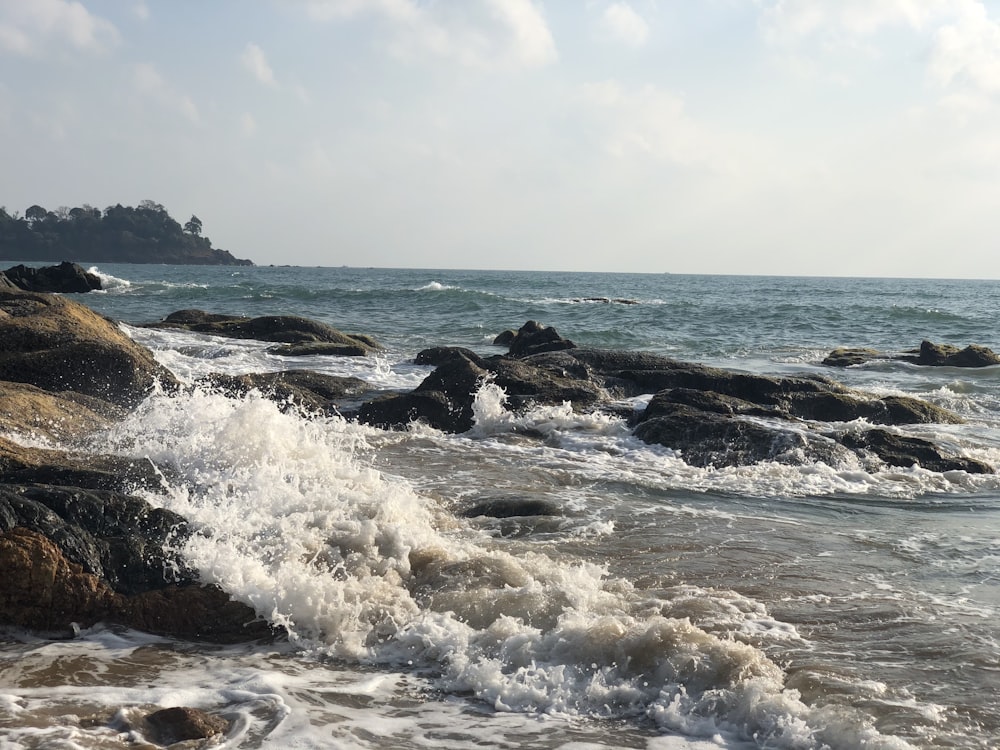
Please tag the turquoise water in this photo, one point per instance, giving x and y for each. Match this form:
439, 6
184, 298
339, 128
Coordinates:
666, 606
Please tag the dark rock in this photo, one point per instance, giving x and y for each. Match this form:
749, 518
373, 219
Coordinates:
534, 338
320, 348
928, 355
849, 357
511, 507
505, 338
59, 345
118, 538
438, 355
719, 440
443, 400
529, 383
305, 389
284, 329
41, 589
945, 355
65, 278
20, 465
901, 450
181, 723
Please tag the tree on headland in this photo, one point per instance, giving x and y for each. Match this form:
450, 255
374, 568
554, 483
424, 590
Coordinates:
119, 234
193, 226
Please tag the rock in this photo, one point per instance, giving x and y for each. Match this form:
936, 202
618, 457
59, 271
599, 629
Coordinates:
42, 590
33, 413
443, 400
945, 355
307, 390
719, 440
901, 450
534, 338
285, 329
928, 355
529, 383
320, 348
440, 354
170, 725
59, 345
849, 357
65, 278
505, 338
118, 538
20, 465
511, 507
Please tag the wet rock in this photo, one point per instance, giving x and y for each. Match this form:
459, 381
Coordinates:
170, 725
306, 390
534, 338
284, 329
64, 278
504, 338
929, 355
443, 400
119, 538
511, 507
320, 349
852, 356
41, 589
720, 440
902, 450
21, 465
30, 412
59, 345
438, 355
945, 355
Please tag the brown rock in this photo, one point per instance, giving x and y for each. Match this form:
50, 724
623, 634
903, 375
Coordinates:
59, 345
41, 590
180, 723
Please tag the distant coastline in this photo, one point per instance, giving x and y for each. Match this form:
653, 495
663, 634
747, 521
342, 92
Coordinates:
118, 234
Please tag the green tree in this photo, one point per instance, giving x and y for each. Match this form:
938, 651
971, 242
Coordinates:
193, 226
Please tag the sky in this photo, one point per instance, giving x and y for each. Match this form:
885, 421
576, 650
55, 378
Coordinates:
791, 137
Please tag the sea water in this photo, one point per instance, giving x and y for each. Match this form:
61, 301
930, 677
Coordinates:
662, 606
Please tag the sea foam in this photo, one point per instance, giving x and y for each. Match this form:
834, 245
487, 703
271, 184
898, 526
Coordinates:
291, 518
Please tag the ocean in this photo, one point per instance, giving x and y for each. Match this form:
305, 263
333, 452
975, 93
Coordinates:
664, 606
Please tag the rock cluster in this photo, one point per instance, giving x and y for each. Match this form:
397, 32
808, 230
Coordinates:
714, 417
928, 354
75, 546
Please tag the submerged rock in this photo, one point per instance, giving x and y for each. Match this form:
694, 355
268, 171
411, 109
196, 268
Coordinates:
306, 390
929, 355
181, 723
285, 329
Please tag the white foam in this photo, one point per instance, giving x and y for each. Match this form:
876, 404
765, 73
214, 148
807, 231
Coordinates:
109, 283
293, 521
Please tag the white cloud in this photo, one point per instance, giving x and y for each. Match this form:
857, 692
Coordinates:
789, 20
248, 125
967, 52
473, 33
625, 25
27, 27
652, 124
141, 10
148, 81
253, 59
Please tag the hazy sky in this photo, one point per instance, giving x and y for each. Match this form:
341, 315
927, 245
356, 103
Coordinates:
831, 137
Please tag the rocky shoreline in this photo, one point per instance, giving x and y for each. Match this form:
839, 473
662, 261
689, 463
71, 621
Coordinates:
78, 547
